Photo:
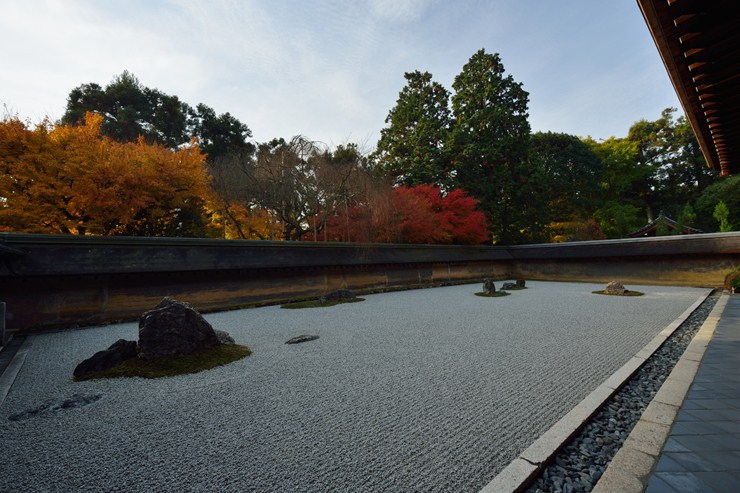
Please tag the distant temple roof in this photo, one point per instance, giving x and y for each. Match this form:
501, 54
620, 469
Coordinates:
650, 228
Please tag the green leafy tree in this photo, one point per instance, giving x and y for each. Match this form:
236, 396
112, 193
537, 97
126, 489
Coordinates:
686, 218
721, 214
620, 206
675, 169
662, 229
411, 148
489, 142
621, 174
617, 219
658, 166
572, 171
651, 140
725, 190
684, 178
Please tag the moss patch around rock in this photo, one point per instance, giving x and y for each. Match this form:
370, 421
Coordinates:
317, 304
626, 293
194, 362
497, 294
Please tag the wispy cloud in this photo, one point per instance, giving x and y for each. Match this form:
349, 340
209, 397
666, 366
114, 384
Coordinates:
399, 10
331, 69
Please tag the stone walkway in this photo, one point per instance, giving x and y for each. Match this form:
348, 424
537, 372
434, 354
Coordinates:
702, 453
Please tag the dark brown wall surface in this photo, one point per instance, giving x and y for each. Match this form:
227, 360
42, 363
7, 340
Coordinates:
63, 281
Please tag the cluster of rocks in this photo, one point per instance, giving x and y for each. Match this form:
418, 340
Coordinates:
171, 328
338, 295
582, 461
489, 285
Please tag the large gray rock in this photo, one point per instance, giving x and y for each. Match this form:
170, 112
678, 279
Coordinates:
173, 328
117, 353
521, 283
338, 295
615, 287
489, 286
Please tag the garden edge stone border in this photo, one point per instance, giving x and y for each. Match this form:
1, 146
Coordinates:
8, 376
519, 473
630, 468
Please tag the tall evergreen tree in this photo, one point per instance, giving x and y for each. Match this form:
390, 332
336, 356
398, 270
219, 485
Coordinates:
411, 148
130, 110
219, 135
490, 142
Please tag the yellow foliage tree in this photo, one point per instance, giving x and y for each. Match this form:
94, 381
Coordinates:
236, 221
69, 179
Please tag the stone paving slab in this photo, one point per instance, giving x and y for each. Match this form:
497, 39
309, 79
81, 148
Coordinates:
427, 390
702, 453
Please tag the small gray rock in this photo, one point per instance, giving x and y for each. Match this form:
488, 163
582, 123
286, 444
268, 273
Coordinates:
300, 339
508, 285
224, 337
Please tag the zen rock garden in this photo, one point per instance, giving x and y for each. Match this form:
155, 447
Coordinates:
489, 288
290, 415
174, 338
170, 331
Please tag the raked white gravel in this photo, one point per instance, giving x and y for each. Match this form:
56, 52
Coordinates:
423, 390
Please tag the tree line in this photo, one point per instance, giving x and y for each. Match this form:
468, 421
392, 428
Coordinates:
450, 167
548, 186
130, 160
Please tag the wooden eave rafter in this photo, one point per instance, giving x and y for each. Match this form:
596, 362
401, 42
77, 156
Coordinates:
699, 42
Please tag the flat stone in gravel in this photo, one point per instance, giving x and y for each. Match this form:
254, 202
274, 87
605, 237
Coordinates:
425, 390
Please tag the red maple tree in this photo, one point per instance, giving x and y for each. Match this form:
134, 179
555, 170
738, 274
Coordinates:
421, 214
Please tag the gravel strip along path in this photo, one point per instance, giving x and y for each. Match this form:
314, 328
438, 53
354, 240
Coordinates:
584, 459
425, 390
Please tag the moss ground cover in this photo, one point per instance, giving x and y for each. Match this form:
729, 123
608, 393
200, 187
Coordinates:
204, 359
318, 304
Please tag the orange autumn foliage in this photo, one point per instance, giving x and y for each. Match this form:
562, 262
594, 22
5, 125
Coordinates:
235, 221
69, 179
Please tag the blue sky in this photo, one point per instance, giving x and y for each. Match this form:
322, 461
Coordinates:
331, 69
